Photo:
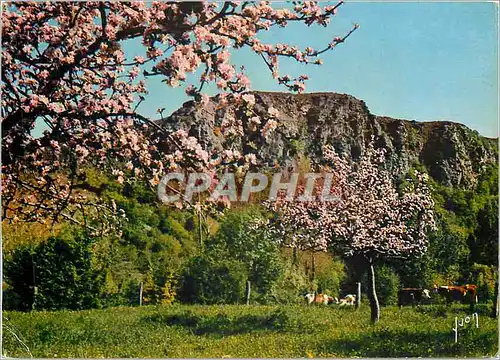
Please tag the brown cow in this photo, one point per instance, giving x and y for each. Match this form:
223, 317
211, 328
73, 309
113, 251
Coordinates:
458, 293
320, 299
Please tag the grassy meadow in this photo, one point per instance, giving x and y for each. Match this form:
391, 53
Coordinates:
248, 331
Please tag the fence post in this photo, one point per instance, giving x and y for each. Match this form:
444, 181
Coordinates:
494, 312
140, 295
248, 292
358, 295
35, 294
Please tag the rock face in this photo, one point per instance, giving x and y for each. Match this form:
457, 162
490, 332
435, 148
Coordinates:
453, 154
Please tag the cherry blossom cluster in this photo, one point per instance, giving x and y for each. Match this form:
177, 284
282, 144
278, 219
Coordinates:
371, 218
64, 66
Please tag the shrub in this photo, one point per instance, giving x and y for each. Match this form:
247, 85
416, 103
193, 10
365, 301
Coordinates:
211, 280
330, 278
289, 287
484, 277
387, 285
168, 291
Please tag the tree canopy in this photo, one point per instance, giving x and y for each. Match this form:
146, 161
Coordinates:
64, 67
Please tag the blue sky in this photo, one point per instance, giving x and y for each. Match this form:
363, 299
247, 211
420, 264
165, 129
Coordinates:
417, 61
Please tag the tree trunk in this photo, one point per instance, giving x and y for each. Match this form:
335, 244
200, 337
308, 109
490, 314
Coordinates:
372, 295
295, 260
313, 266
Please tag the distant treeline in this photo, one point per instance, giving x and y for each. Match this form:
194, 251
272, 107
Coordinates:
160, 258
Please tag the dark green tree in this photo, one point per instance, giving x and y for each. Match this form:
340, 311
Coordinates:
241, 239
57, 274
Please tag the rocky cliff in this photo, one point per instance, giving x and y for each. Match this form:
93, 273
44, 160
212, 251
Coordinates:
453, 154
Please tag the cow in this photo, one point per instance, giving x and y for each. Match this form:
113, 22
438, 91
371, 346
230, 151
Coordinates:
320, 299
333, 300
463, 293
412, 296
309, 298
349, 300
325, 299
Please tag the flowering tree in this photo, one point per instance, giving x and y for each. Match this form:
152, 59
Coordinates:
370, 218
298, 225
63, 66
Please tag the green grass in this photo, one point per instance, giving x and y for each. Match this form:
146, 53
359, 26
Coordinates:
248, 331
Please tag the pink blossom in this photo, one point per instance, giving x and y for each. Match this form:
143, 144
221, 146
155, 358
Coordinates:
269, 128
134, 72
43, 74
273, 111
139, 59
56, 107
300, 86
243, 81
205, 99
249, 99
251, 158
221, 84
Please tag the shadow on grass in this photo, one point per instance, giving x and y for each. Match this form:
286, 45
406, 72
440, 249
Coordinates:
390, 343
452, 310
222, 324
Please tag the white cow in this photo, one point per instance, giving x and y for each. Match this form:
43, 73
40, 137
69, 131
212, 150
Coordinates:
348, 300
310, 298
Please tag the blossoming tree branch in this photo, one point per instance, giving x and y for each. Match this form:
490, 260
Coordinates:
64, 67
